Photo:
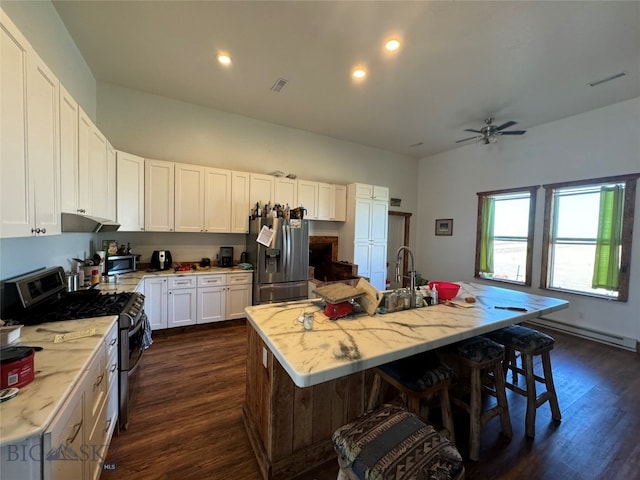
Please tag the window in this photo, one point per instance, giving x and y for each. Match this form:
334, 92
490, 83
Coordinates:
504, 237
587, 236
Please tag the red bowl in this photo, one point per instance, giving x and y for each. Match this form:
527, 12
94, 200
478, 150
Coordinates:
446, 290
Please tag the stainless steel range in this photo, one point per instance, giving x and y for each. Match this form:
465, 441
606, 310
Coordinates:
42, 297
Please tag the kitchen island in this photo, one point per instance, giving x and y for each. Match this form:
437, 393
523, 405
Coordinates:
302, 385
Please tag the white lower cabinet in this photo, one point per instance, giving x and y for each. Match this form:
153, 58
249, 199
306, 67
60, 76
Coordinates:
155, 302
182, 305
76, 442
238, 295
180, 300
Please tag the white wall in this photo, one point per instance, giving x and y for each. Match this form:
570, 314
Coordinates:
599, 143
40, 23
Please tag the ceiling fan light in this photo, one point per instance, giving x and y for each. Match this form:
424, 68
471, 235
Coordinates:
492, 139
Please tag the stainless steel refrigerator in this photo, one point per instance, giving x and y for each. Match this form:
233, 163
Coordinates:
281, 268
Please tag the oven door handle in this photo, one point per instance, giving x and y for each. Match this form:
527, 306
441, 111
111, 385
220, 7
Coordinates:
137, 328
131, 371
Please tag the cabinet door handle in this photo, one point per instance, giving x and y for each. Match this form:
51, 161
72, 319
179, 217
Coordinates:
98, 381
113, 342
77, 428
44, 230
113, 367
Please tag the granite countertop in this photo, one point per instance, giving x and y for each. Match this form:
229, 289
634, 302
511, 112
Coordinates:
58, 368
335, 348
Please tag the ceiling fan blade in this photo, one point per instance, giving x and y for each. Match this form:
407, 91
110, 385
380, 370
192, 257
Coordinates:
472, 130
466, 139
505, 125
512, 132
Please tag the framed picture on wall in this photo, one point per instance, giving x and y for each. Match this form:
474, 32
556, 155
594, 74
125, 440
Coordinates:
444, 226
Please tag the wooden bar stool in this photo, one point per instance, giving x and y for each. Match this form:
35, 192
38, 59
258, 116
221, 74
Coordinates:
480, 355
417, 377
391, 443
528, 343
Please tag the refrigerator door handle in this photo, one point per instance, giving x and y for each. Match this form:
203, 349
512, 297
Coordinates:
286, 247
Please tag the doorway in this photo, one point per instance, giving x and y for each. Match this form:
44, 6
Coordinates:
399, 228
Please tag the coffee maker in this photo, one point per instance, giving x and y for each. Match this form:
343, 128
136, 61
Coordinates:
226, 257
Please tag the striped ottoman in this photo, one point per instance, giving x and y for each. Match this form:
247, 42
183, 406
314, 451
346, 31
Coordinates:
390, 443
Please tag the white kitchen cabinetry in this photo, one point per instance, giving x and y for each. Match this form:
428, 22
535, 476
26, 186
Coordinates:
217, 200
211, 298
29, 139
238, 294
110, 212
182, 305
68, 152
261, 189
155, 302
86, 422
340, 203
189, 200
365, 231
286, 192
308, 198
129, 192
158, 196
240, 204
92, 168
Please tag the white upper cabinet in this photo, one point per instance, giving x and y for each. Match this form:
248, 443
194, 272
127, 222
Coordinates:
68, 152
92, 168
286, 192
240, 204
308, 198
326, 201
159, 196
29, 139
189, 206
111, 182
340, 203
261, 189
217, 200
129, 192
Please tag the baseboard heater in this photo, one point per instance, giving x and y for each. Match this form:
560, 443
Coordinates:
588, 333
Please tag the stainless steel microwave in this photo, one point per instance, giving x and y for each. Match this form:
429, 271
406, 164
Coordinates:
122, 264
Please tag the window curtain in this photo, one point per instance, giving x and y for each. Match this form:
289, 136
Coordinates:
606, 269
486, 235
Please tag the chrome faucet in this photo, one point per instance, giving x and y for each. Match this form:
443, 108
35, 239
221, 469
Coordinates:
412, 275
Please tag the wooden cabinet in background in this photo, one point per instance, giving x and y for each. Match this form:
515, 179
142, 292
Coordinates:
218, 198
211, 298
286, 192
129, 192
308, 198
155, 302
261, 189
182, 304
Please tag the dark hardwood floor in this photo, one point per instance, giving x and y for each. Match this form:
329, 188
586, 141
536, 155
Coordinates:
186, 417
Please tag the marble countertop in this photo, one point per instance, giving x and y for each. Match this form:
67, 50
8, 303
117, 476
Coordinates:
335, 348
128, 282
58, 368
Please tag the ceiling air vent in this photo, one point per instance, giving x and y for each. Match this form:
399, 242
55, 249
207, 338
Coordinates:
279, 85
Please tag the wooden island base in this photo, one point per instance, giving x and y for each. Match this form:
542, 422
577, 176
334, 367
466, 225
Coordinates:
290, 427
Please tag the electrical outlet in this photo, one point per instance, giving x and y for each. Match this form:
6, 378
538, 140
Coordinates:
264, 357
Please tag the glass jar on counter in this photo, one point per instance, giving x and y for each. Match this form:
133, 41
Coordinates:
405, 297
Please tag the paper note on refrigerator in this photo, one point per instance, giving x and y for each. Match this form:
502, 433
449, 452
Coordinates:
266, 236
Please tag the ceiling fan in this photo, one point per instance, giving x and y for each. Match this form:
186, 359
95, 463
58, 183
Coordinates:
490, 133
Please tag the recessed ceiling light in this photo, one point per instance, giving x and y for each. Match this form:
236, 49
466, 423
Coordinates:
359, 73
224, 59
392, 45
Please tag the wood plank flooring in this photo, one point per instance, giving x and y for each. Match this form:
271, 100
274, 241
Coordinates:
186, 416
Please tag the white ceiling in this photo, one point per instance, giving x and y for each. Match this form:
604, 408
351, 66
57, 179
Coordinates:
459, 61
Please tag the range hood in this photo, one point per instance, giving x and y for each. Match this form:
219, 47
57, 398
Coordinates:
76, 222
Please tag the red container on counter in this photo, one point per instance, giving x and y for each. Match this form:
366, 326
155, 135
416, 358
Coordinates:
16, 366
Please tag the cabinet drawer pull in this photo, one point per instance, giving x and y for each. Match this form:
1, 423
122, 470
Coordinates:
113, 368
77, 428
113, 342
98, 381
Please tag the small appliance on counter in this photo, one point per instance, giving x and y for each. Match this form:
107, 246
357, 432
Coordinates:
161, 260
116, 264
226, 257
